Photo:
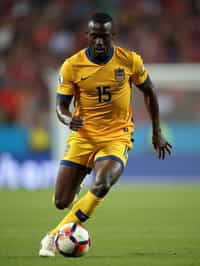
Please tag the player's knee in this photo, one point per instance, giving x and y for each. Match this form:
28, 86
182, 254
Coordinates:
100, 189
60, 204
63, 201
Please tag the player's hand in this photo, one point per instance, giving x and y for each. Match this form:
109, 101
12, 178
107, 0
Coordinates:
76, 123
161, 145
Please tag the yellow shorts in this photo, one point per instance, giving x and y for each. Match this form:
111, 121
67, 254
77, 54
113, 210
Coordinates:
82, 153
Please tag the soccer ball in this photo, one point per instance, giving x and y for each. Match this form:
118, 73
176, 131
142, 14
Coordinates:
72, 240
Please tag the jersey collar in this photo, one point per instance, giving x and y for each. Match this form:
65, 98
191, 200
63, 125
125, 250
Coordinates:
96, 61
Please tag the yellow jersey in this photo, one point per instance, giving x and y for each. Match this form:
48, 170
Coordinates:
102, 91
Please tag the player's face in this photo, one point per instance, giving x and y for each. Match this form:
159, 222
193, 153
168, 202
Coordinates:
100, 37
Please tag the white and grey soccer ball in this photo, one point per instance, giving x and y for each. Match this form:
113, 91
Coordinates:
72, 240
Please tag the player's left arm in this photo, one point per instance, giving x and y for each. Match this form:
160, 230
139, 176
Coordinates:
161, 145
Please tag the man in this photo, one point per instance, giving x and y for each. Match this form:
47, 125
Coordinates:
99, 78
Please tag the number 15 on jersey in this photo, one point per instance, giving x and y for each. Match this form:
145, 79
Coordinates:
104, 94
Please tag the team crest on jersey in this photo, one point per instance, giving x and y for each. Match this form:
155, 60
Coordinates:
119, 74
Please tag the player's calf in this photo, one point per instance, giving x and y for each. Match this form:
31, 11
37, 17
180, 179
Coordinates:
101, 188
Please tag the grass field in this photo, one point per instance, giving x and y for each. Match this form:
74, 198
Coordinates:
136, 225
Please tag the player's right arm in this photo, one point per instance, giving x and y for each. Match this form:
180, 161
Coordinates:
65, 93
64, 114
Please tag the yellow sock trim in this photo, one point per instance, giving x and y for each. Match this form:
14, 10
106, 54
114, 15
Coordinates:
86, 205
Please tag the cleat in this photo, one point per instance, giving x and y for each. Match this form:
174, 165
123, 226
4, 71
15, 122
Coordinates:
48, 247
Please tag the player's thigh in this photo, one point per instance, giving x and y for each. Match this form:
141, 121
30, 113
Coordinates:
106, 173
110, 161
73, 168
67, 182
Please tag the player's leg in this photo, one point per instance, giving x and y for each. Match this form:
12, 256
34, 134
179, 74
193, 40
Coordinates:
106, 173
68, 180
108, 166
72, 170
107, 169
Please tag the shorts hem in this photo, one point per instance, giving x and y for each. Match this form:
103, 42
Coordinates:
112, 157
76, 165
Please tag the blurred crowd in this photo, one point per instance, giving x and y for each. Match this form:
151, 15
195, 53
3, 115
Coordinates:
36, 36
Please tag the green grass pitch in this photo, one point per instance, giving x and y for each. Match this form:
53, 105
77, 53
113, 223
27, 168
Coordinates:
142, 225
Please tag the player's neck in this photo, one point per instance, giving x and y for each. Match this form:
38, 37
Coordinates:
100, 59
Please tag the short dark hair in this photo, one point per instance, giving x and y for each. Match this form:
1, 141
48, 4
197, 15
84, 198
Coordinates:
101, 17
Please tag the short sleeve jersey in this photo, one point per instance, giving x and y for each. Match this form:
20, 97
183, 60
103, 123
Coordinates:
102, 91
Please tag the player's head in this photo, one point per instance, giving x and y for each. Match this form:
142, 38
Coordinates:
100, 34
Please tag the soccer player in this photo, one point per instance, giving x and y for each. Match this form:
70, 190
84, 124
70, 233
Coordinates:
99, 78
